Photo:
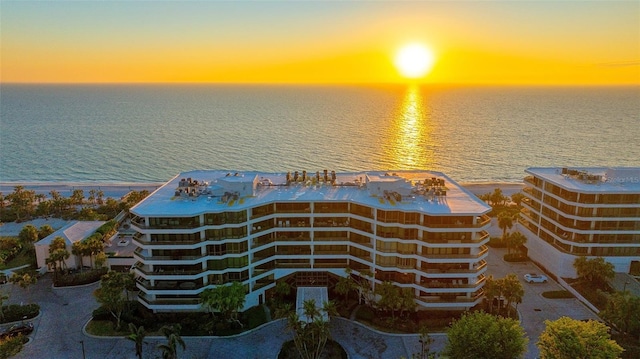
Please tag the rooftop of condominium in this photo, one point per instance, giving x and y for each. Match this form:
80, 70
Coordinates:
592, 179
202, 191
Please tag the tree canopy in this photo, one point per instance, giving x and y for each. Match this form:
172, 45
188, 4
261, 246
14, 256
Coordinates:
505, 222
479, 335
595, 270
508, 288
226, 299
568, 338
310, 337
111, 293
28, 234
623, 310
172, 333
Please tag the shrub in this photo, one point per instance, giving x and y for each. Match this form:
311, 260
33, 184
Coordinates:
11, 346
80, 278
102, 314
557, 294
365, 313
15, 312
254, 317
9, 248
108, 229
496, 243
515, 257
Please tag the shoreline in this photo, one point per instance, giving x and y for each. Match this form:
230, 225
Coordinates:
119, 189
110, 189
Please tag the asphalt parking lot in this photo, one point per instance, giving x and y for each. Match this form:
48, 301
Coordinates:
535, 308
58, 330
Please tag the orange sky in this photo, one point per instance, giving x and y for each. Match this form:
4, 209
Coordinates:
475, 42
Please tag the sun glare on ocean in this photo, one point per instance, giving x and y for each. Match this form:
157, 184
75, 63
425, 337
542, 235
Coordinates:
414, 61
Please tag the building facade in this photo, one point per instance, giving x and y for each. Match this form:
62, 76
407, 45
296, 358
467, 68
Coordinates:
416, 229
572, 212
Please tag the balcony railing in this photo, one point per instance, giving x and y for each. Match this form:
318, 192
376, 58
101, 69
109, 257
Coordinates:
331, 239
168, 301
482, 252
138, 255
170, 285
164, 271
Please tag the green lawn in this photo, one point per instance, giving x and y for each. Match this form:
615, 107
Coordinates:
557, 294
105, 328
24, 257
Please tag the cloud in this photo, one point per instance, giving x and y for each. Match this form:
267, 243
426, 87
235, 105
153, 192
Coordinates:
619, 63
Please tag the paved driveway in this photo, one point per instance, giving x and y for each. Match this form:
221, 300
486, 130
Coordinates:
535, 308
58, 330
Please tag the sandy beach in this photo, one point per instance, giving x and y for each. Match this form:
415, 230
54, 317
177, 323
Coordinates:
487, 187
113, 190
117, 190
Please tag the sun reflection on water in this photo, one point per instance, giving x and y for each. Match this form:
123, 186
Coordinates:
410, 134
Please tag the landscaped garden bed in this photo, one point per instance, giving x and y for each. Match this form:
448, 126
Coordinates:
193, 324
558, 294
15, 312
74, 278
332, 350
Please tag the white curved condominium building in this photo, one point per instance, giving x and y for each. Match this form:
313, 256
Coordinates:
571, 212
416, 229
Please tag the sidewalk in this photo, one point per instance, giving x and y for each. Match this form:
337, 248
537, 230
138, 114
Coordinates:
535, 308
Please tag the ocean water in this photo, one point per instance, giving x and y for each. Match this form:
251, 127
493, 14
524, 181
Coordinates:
149, 133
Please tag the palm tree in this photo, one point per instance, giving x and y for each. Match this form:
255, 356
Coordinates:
310, 336
517, 240
513, 291
172, 333
137, 336
77, 249
491, 290
505, 221
344, 286
24, 281
3, 297
58, 252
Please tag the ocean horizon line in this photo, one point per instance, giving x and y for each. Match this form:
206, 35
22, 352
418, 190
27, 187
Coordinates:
327, 84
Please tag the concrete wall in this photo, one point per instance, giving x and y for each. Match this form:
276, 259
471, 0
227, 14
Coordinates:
561, 264
556, 262
42, 253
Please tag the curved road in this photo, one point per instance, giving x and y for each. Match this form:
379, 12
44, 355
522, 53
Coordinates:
58, 330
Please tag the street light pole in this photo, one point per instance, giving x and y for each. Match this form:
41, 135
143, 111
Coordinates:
82, 343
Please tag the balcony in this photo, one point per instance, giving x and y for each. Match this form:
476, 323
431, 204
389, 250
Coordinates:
261, 227
452, 268
483, 251
330, 263
281, 237
331, 222
331, 239
194, 303
175, 257
169, 285
261, 283
167, 270
446, 298
452, 283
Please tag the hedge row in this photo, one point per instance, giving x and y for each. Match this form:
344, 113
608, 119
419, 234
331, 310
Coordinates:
15, 312
79, 278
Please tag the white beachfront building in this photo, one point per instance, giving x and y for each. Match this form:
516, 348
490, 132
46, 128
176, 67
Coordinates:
416, 229
571, 212
73, 232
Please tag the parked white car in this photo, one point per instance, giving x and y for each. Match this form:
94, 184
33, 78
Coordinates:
535, 278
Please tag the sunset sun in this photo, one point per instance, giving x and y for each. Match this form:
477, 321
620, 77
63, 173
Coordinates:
414, 61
